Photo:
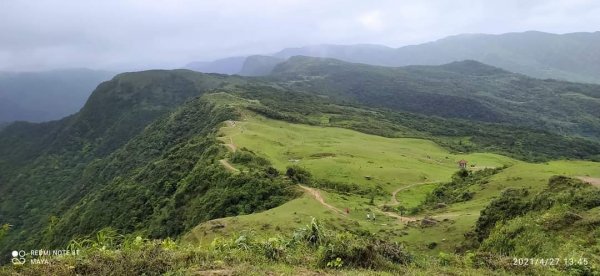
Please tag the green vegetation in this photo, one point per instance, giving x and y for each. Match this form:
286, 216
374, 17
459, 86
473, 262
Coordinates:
559, 222
180, 187
312, 247
272, 140
459, 189
339, 155
132, 143
454, 134
222, 173
4, 230
468, 90
541, 55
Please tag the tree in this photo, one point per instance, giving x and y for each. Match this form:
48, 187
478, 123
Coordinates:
401, 210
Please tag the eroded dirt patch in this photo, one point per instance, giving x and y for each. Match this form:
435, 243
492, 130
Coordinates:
592, 180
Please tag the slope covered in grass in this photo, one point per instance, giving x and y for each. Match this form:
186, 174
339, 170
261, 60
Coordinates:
349, 156
410, 167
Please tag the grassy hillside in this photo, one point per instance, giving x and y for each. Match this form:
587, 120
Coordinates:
455, 134
344, 155
410, 169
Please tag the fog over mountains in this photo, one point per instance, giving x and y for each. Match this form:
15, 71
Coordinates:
573, 56
47, 95
51, 95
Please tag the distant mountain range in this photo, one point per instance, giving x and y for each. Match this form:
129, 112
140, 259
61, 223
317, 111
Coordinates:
573, 56
230, 66
48, 95
467, 89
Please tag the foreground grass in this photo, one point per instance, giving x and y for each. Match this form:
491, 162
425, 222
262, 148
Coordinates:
309, 250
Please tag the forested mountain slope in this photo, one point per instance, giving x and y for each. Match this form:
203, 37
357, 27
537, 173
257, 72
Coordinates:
468, 90
46, 168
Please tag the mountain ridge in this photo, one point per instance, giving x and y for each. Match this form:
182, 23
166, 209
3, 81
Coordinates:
468, 89
570, 56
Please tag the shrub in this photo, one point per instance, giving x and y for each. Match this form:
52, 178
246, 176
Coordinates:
298, 174
273, 248
393, 251
511, 203
458, 190
350, 249
242, 157
249, 159
312, 233
272, 172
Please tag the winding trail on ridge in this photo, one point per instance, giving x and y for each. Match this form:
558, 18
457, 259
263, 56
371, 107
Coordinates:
317, 195
227, 165
395, 202
231, 146
394, 215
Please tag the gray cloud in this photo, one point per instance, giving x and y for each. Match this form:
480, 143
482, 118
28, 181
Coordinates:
136, 34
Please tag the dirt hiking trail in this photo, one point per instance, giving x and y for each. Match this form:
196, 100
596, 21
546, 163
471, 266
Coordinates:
317, 195
227, 165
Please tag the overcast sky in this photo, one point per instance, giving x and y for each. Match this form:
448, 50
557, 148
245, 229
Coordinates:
136, 34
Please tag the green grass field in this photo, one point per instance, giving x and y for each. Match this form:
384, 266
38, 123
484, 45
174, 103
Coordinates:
415, 166
348, 156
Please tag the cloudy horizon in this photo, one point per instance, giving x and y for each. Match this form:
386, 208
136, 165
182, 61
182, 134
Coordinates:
134, 35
